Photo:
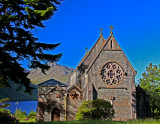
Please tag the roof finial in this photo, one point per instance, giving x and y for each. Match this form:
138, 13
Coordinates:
101, 32
111, 28
86, 49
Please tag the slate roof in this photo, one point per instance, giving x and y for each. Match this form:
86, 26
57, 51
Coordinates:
52, 82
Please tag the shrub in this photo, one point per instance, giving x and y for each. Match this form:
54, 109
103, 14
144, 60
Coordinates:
3, 110
95, 109
32, 114
5, 114
3, 102
20, 114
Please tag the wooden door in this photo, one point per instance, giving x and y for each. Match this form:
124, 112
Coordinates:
55, 114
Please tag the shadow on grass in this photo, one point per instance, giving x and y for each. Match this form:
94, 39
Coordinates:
79, 122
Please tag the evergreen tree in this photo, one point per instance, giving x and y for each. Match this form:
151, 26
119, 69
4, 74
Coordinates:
150, 82
17, 20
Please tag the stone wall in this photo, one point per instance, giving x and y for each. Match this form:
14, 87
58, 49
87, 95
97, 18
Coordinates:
50, 98
74, 100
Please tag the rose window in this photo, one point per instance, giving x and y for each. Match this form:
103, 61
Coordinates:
111, 73
74, 95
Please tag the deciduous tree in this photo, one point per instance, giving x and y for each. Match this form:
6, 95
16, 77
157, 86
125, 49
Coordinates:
150, 82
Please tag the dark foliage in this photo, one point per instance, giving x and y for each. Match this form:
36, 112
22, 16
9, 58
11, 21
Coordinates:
17, 20
142, 104
6, 118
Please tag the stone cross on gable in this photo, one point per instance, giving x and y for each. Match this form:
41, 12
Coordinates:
86, 49
101, 32
111, 28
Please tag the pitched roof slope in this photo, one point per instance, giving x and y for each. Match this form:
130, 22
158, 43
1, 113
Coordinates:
74, 86
102, 47
52, 82
89, 52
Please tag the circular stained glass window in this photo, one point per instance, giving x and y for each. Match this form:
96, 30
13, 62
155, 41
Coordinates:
74, 95
111, 73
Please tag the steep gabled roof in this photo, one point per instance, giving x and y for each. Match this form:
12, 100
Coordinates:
102, 47
52, 82
88, 53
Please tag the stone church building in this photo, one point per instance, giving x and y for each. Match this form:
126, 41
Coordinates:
104, 72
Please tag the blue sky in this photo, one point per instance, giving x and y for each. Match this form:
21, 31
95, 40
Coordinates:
76, 26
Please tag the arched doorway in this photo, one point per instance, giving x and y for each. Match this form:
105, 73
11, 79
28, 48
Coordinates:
56, 114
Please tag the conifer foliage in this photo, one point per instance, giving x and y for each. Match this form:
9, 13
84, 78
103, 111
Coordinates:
17, 20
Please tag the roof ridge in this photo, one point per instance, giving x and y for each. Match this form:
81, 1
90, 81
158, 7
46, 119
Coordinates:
73, 87
101, 51
98, 53
86, 55
135, 72
52, 82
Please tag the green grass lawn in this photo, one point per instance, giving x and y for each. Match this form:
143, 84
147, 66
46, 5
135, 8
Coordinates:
147, 121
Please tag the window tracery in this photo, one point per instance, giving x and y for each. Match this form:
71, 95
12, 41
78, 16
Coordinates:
111, 73
74, 95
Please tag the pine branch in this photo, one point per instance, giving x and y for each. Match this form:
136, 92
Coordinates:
17, 19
